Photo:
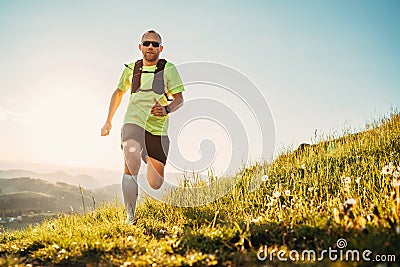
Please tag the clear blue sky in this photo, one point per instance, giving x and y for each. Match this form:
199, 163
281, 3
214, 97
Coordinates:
323, 65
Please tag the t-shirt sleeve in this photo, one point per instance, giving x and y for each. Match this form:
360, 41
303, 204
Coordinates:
125, 80
174, 84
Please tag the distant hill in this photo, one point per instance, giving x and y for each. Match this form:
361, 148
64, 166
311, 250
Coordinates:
85, 177
27, 200
108, 193
58, 176
29, 193
102, 176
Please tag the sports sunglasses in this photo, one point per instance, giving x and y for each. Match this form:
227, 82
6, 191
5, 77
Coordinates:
147, 43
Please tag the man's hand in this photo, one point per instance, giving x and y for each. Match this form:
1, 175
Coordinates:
157, 109
106, 129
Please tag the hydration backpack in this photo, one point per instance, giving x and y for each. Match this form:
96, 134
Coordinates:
158, 81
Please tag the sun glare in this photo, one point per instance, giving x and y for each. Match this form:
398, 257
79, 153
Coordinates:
60, 123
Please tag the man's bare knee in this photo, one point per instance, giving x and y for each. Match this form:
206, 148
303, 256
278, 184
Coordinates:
155, 183
132, 159
132, 150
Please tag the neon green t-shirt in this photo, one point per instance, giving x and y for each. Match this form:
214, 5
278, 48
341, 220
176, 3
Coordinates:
141, 102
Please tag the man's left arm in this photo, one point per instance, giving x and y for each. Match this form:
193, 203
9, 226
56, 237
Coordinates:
177, 102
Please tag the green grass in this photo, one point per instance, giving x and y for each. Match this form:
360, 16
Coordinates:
302, 205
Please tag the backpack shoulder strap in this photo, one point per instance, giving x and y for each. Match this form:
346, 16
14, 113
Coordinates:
158, 82
160, 65
137, 74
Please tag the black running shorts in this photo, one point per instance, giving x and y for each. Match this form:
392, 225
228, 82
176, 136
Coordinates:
155, 146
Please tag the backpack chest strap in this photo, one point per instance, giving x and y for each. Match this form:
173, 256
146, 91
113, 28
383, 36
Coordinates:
158, 81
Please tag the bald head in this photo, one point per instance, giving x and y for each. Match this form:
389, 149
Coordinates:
151, 33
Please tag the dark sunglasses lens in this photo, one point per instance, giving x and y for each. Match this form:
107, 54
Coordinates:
147, 43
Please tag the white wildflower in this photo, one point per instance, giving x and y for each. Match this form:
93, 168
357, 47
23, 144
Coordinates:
287, 192
55, 246
388, 169
346, 180
358, 179
303, 166
396, 174
350, 202
396, 183
129, 238
385, 170
256, 220
276, 194
391, 166
264, 178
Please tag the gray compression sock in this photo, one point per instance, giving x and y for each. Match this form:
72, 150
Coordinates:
130, 193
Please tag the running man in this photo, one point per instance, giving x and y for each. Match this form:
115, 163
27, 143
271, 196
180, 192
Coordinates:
144, 134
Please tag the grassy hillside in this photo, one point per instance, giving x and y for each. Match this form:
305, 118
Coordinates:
344, 188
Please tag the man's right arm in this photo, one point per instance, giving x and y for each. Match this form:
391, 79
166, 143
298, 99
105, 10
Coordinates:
114, 104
